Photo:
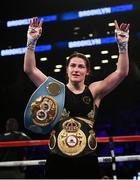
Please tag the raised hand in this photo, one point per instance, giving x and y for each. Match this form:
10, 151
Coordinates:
34, 32
122, 36
122, 32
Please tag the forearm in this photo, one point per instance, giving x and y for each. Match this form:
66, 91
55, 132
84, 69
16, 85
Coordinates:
29, 61
123, 60
30, 68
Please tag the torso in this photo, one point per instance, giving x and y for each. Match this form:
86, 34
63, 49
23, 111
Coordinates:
81, 104
73, 135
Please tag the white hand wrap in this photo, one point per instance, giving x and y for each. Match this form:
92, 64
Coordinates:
33, 35
122, 33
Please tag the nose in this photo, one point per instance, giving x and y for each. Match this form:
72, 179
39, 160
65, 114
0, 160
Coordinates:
76, 68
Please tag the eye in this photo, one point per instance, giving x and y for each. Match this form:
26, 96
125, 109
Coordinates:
72, 65
82, 66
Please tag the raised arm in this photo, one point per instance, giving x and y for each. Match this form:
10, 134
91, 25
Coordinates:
104, 87
33, 34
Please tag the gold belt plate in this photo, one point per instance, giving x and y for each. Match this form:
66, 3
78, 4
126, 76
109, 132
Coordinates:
71, 140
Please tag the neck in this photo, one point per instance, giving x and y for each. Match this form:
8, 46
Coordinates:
76, 87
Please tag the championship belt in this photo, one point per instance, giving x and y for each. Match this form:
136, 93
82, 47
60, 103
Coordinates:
45, 106
72, 138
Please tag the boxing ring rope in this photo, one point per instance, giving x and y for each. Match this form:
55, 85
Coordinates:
132, 138
104, 159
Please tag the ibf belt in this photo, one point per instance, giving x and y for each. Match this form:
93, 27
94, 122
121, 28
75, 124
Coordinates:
72, 137
45, 106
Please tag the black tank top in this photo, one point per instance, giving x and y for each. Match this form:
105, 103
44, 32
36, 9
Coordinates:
76, 121
80, 104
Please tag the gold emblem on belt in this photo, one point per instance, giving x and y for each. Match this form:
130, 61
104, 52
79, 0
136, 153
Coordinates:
53, 89
71, 140
44, 110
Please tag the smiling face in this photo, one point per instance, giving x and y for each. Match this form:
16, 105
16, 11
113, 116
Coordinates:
77, 70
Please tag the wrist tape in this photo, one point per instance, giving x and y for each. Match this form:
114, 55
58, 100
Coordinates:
33, 35
122, 44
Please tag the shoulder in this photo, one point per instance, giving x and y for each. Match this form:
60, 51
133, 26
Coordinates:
95, 91
95, 87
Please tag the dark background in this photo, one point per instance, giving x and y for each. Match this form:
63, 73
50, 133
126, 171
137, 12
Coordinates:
119, 112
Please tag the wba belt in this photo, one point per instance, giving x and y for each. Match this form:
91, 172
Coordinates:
45, 106
72, 137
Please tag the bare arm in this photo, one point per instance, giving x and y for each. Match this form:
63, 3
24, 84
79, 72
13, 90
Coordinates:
34, 32
104, 87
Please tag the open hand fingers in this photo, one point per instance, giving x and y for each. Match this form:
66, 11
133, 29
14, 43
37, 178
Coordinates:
127, 27
41, 22
124, 27
116, 25
35, 21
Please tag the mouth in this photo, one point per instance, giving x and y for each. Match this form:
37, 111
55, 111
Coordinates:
75, 75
